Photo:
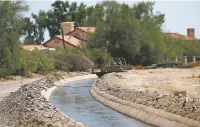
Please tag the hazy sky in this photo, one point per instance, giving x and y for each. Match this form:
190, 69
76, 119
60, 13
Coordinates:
179, 15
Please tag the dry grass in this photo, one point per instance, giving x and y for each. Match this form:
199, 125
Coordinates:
33, 75
119, 76
195, 76
174, 90
10, 78
194, 64
138, 67
179, 92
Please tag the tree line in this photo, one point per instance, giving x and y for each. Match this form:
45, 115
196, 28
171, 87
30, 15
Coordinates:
61, 11
132, 32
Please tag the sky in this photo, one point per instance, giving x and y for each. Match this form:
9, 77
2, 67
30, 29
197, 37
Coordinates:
179, 15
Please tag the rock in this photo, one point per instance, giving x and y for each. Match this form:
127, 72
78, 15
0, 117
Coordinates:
36, 110
168, 64
29, 108
57, 125
178, 102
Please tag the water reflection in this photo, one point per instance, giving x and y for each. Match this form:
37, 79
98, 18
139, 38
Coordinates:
74, 100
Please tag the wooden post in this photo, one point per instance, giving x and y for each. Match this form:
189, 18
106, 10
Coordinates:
63, 37
194, 59
176, 58
185, 59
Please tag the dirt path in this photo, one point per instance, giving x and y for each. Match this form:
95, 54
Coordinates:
12, 86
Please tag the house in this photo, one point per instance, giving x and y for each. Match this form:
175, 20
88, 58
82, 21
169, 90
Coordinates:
57, 42
73, 38
190, 35
35, 47
81, 31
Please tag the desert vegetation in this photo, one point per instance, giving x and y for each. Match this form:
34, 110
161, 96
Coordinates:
132, 32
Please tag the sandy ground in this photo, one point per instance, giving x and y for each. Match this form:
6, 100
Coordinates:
163, 80
12, 86
172, 90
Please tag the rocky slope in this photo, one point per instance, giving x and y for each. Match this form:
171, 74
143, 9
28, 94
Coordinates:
138, 88
27, 108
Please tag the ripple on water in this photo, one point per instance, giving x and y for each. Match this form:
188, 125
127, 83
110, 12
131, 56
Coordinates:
74, 100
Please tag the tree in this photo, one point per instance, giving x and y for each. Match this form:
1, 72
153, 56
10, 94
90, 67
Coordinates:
28, 31
94, 15
10, 24
34, 29
62, 12
130, 32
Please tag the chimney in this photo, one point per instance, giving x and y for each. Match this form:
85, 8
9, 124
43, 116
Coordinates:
190, 32
67, 27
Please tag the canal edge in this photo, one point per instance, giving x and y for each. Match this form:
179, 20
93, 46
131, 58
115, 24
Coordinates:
146, 114
47, 94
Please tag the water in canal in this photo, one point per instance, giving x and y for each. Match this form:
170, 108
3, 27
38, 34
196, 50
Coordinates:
74, 100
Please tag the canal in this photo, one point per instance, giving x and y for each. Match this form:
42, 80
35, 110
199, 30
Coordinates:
74, 100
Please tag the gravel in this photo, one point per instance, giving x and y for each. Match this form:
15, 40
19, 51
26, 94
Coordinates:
180, 104
27, 108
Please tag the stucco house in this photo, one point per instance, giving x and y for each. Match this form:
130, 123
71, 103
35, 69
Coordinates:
190, 35
36, 47
73, 38
33, 47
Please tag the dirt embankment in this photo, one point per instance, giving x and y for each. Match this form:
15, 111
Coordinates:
172, 90
28, 108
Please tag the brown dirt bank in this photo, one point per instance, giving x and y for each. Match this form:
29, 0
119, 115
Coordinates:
171, 90
28, 108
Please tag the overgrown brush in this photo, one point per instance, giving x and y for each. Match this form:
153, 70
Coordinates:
71, 60
36, 62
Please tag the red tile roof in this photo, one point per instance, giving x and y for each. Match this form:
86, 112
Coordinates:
180, 36
84, 29
70, 39
87, 29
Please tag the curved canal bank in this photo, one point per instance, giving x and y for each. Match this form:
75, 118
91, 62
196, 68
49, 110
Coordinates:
74, 100
28, 108
129, 93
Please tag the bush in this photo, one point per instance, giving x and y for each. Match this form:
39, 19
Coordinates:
71, 60
100, 57
9, 61
180, 48
79, 63
195, 64
36, 62
60, 60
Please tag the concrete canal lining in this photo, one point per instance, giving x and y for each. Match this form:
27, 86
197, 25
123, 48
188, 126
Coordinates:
75, 101
61, 82
146, 114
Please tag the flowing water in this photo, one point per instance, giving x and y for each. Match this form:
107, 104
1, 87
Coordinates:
74, 100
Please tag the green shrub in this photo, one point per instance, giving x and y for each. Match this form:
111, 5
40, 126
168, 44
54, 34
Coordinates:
181, 48
9, 61
36, 62
79, 63
71, 60
100, 57
60, 60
